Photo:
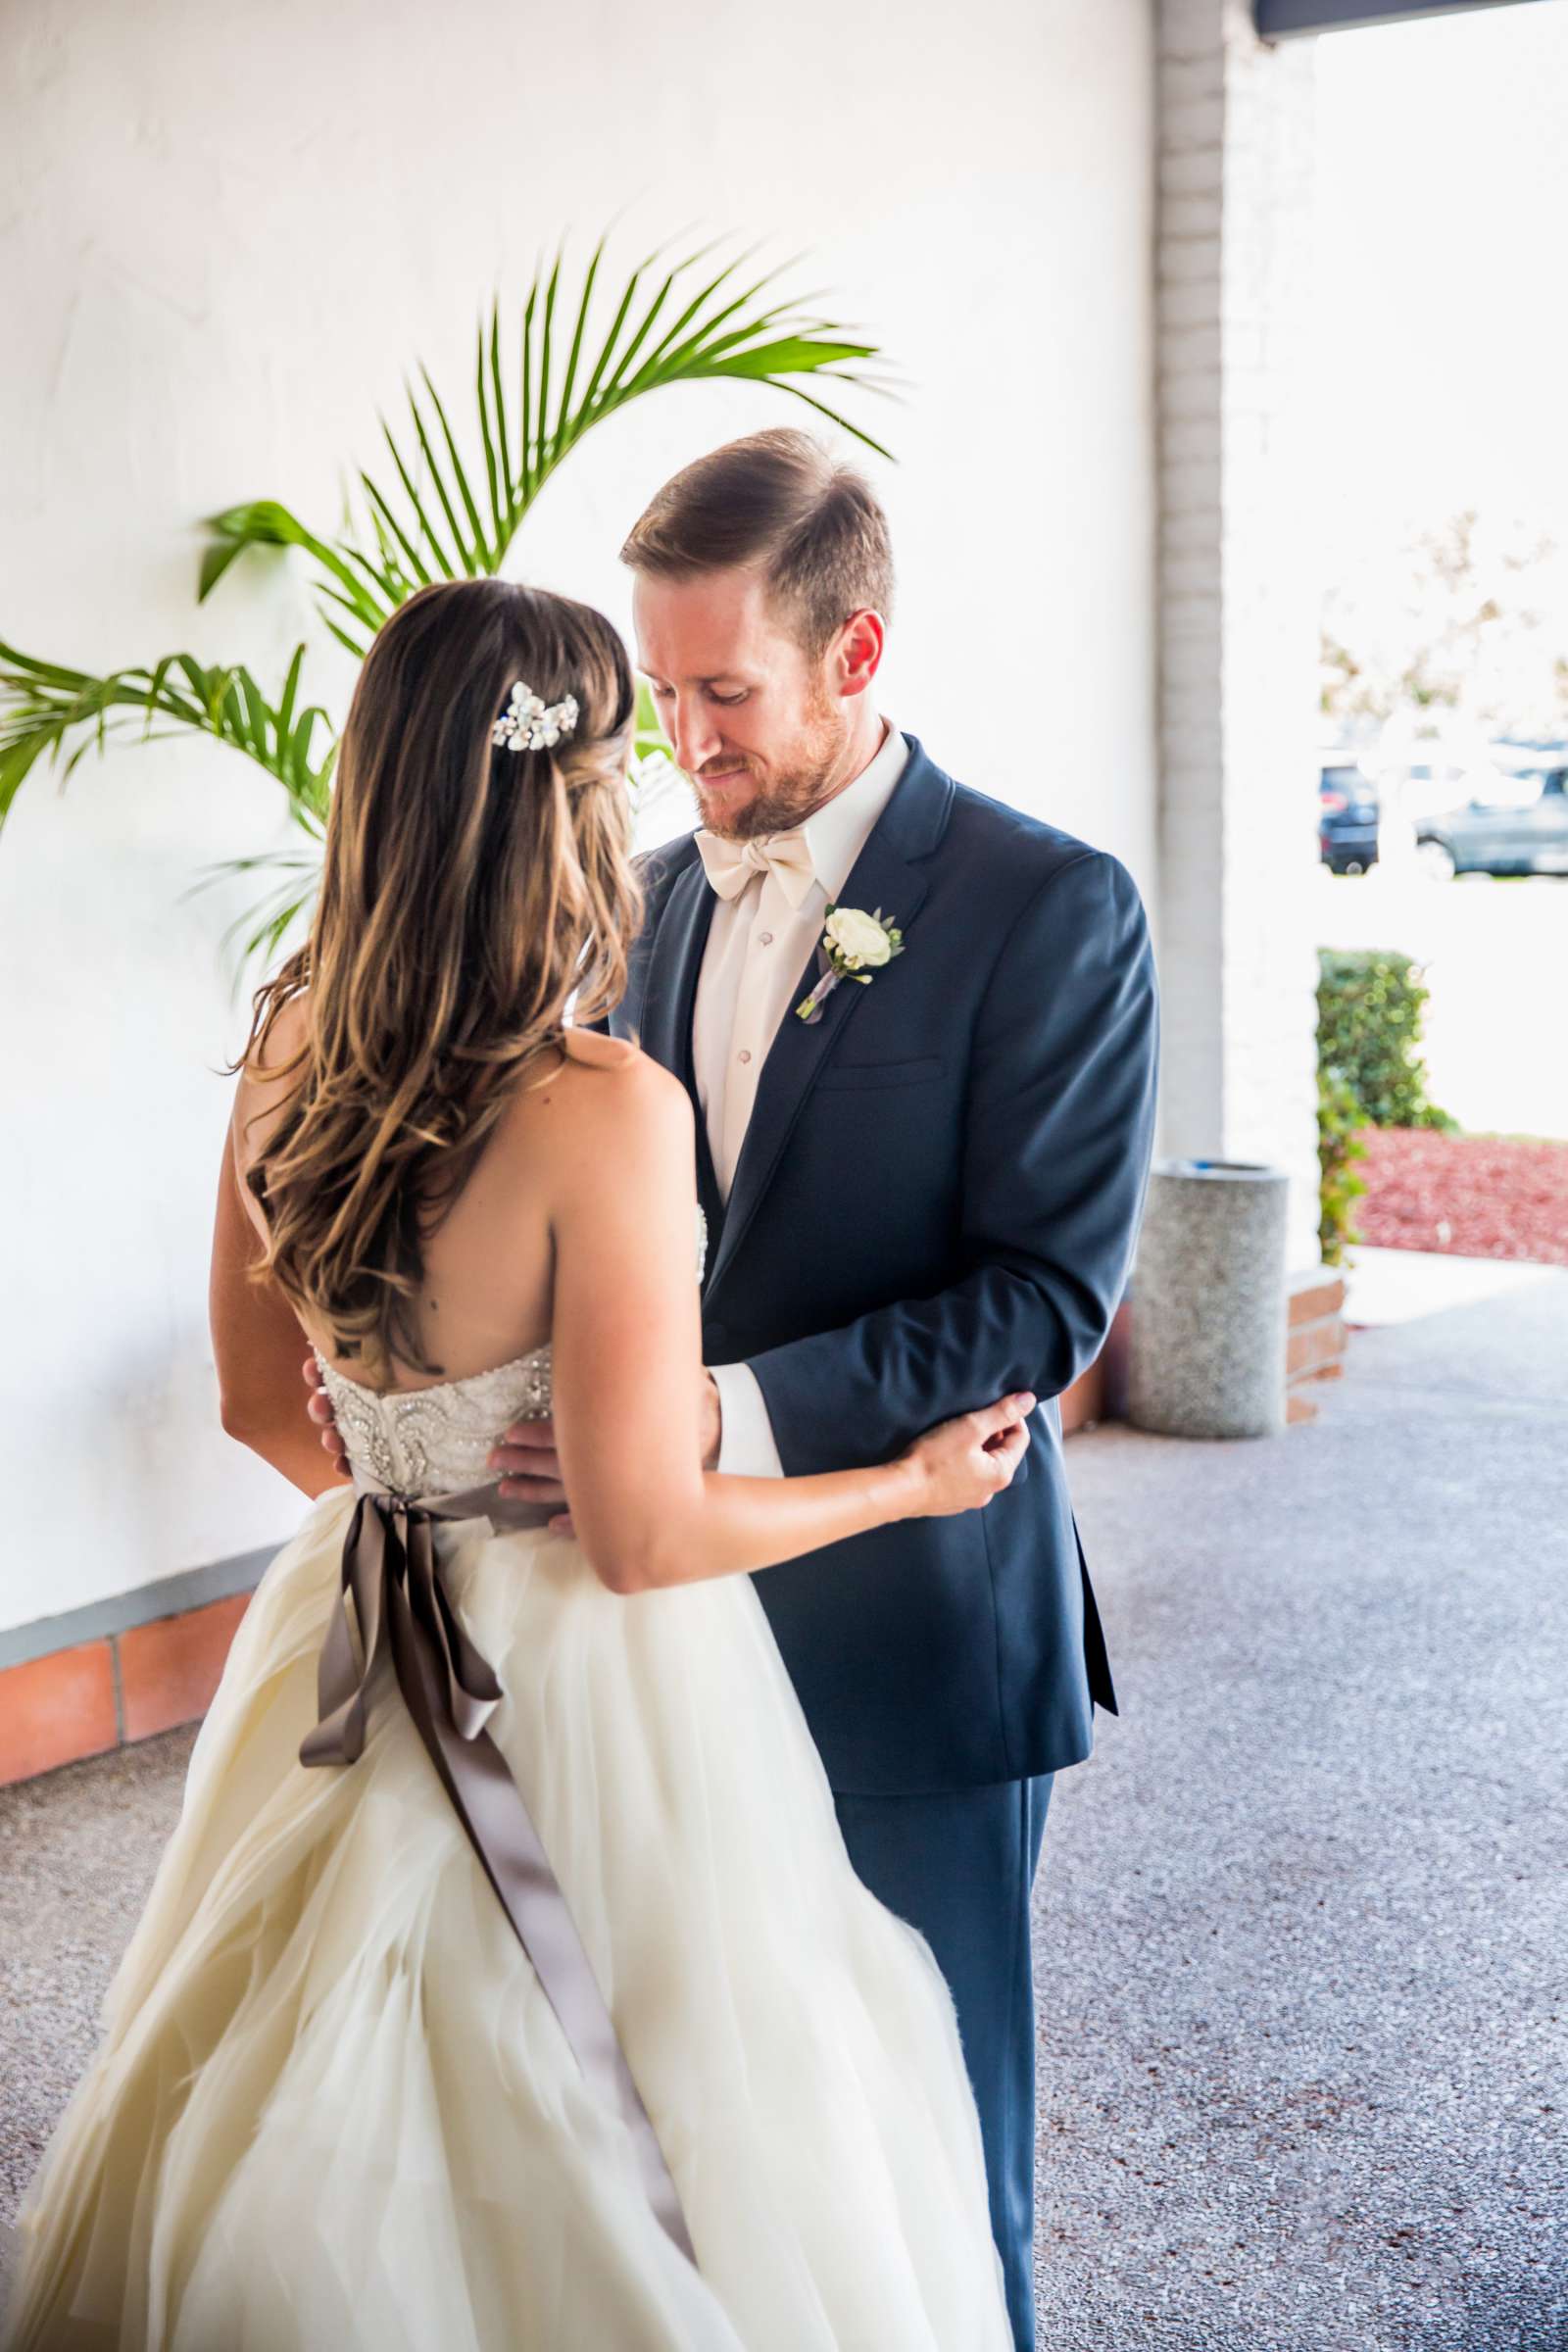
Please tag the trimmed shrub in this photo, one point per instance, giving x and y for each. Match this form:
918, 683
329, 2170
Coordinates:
1339, 1147
1369, 1007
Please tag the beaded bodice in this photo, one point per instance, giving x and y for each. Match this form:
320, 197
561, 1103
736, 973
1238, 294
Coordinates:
436, 1441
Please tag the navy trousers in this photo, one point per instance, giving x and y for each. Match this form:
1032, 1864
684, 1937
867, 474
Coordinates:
960, 1866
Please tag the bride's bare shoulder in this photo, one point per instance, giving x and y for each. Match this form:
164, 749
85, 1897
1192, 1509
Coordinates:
594, 1051
270, 1075
639, 1076
602, 1087
283, 1038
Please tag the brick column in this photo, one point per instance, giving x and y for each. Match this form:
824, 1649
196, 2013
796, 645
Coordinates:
1239, 597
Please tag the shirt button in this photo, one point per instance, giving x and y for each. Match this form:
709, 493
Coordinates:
744, 1055
768, 939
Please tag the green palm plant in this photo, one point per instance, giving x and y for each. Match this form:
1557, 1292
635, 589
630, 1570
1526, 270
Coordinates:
437, 515
438, 518
48, 708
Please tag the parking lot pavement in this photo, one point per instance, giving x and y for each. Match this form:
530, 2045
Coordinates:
1300, 1921
1497, 957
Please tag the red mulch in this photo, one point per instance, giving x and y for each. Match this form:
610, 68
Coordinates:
1475, 1196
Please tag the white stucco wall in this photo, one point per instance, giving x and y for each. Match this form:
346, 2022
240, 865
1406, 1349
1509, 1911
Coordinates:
224, 233
1240, 583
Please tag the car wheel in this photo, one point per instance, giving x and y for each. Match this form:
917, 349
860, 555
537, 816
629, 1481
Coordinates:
1436, 858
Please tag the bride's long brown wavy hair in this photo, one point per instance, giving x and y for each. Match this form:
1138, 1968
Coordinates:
469, 894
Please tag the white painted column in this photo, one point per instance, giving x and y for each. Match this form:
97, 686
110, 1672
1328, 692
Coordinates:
1239, 597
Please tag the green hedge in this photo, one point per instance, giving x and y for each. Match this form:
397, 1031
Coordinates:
1339, 1147
1369, 1007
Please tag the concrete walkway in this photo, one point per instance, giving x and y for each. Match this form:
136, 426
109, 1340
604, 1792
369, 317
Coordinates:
1301, 1922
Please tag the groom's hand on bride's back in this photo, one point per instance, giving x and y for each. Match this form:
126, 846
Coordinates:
319, 1407
530, 1469
530, 1466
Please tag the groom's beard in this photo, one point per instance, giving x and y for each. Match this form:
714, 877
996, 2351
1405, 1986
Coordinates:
788, 794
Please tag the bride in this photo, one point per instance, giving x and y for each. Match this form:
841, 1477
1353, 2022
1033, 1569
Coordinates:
506, 1985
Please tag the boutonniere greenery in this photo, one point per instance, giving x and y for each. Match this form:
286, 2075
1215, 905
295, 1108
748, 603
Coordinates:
854, 946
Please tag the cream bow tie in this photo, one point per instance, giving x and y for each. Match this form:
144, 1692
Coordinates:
731, 864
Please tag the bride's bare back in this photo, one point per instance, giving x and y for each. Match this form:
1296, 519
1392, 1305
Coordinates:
490, 1265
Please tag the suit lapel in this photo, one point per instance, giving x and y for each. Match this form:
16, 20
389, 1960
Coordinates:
669, 976
889, 874
670, 994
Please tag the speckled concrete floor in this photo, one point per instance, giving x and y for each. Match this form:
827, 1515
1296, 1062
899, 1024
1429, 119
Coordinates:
1302, 1924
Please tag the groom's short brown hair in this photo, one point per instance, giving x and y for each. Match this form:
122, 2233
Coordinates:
781, 500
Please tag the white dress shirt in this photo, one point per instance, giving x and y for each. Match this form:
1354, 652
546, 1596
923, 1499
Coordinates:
760, 949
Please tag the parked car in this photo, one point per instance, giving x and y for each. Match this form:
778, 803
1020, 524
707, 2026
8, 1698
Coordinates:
1515, 823
1428, 786
1347, 819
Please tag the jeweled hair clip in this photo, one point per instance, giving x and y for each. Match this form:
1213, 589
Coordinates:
530, 724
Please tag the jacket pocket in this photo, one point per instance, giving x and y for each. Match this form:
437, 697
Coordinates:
883, 1073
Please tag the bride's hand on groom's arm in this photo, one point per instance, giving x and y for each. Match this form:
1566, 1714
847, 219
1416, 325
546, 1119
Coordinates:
964, 1463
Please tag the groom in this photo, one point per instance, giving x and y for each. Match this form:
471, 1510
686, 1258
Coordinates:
922, 1199
917, 1201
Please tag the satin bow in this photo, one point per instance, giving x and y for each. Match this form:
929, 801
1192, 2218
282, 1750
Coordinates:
395, 1580
731, 864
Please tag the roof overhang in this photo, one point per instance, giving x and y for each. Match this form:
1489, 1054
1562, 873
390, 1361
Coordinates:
1281, 19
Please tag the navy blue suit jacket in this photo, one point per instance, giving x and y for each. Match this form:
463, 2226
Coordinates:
936, 1202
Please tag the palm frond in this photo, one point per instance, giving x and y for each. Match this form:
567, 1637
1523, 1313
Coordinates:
267, 522
442, 514
261, 929
50, 712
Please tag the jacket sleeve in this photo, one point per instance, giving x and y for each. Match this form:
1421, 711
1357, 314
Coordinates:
1058, 1136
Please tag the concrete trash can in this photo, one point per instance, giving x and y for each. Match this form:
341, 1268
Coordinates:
1207, 1339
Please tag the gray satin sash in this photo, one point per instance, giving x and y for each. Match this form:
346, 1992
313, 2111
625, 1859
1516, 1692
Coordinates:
393, 1577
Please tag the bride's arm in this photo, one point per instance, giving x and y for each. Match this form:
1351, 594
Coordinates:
627, 1356
258, 1347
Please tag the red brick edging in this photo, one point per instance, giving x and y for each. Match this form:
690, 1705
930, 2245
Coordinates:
1315, 1339
76, 1702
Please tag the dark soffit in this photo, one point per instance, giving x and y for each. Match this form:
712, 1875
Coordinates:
1279, 19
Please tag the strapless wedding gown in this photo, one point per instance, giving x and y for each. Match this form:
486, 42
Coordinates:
334, 2109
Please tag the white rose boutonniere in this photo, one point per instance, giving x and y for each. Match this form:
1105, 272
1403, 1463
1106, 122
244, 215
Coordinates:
854, 946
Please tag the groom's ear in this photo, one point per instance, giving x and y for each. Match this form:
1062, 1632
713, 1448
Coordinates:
855, 655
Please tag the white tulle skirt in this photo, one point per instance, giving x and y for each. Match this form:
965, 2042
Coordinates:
334, 2111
